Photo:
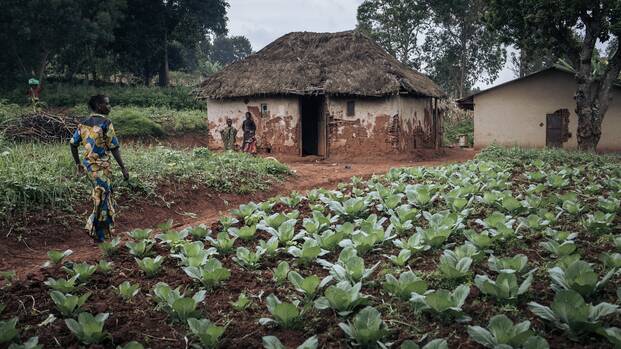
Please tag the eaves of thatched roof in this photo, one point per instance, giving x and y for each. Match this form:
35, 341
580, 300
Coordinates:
303, 63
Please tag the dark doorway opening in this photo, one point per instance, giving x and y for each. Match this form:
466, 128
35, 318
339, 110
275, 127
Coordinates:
313, 125
557, 128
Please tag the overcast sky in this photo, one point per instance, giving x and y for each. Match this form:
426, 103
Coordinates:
263, 21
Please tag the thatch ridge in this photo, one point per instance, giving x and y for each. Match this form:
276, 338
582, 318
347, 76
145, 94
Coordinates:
299, 63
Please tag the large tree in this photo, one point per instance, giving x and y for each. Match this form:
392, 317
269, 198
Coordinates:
459, 48
152, 25
397, 25
571, 29
227, 49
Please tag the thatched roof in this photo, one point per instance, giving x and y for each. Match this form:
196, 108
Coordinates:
345, 63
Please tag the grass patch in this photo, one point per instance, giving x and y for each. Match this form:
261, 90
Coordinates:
455, 127
517, 156
35, 176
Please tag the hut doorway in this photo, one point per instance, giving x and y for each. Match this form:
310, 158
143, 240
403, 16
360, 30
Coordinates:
314, 127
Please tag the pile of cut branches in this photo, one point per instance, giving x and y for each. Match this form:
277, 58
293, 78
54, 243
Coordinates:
40, 126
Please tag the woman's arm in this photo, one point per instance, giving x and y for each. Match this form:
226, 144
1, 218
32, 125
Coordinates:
76, 158
116, 152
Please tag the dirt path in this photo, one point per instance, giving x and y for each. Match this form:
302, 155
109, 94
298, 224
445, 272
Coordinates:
189, 206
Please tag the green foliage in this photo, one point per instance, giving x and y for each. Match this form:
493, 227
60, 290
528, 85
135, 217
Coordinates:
280, 272
83, 271
140, 234
367, 328
306, 285
242, 302
131, 345
62, 285
27, 186
309, 252
245, 232
454, 127
208, 333
127, 290
31, 343
350, 266
223, 242
403, 287
150, 266
501, 332
88, 328
284, 314
57, 256
110, 248
271, 342
452, 266
68, 304
342, 297
140, 248
248, 259
578, 276
210, 275
442, 302
8, 330
505, 286
570, 313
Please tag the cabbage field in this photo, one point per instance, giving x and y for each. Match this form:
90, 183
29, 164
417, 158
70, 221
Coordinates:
516, 249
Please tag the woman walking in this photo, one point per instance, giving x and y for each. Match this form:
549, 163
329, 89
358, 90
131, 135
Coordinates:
96, 134
250, 141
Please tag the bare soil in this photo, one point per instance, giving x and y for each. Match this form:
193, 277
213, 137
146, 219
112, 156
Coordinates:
189, 204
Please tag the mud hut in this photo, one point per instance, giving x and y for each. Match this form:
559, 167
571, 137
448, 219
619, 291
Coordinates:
326, 94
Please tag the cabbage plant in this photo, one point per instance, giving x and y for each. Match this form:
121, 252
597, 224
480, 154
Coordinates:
127, 290
111, 247
223, 242
88, 328
83, 271
140, 234
308, 252
367, 329
505, 286
62, 285
210, 275
501, 332
403, 287
442, 302
140, 248
453, 266
150, 266
308, 286
343, 298
271, 342
68, 304
279, 274
247, 258
207, 332
55, 257
284, 314
578, 276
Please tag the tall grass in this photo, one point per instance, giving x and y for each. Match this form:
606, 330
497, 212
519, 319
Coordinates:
35, 176
518, 155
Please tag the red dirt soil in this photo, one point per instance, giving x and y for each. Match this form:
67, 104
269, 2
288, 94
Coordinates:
191, 206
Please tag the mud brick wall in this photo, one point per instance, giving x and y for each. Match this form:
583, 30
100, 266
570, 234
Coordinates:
379, 125
277, 130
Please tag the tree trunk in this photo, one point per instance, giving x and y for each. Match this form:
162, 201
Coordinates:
589, 126
164, 72
146, 75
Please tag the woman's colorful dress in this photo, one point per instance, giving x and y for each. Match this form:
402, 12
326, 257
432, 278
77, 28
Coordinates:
250, 140
96, 134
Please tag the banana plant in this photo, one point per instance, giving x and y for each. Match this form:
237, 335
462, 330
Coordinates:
245, 233
281, 272
127, 290
517, 264
403, 287
88, 328
223, 242
248, 259
83, 271
505, 286
367, 329
308, 252
207, 332
68, 304
110, 248
210, 275
501, 332
452, 266
55, 257
578, 276
343, 298
286, 315
150, 266
442, 302
308, 286
62, 285
140, 248
570, 313
271, 342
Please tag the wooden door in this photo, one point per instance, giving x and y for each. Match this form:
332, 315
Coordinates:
557, 128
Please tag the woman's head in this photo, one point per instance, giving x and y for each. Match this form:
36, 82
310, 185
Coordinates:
248, 115
100, 104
